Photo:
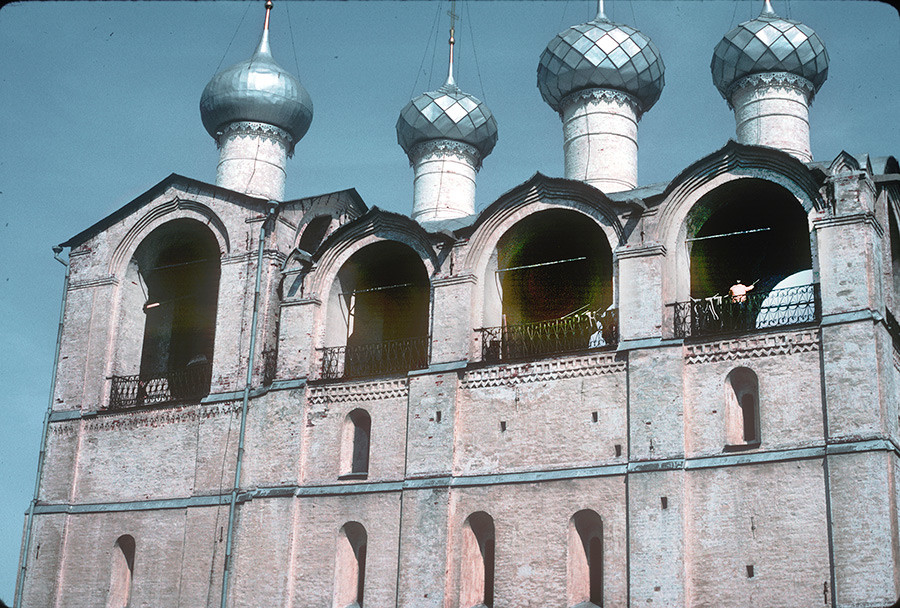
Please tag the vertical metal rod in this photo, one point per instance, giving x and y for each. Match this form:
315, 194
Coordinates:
23, 567
229, 543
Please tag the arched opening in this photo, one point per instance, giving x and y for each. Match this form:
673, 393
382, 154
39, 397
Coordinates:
895, 259
350, 566
314, 233
742, 408
355, 443
749, 250
477, 567
377, 321
585, 560
121, 573
169, 298
549, 288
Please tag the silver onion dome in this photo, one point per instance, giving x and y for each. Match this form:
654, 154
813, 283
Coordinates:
601, 54
257, 90
769, 44
447, 113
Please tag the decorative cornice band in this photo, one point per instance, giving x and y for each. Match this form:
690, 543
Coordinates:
765, 345
88, 283
848, 220
237, 258
300, 301
543, 371
246, 128
455, 280
129, 419
365, 391
778, 80
608, 95
640, 252
443, 148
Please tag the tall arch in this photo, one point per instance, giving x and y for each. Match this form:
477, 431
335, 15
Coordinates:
377, 313
548, 287
121, 572
167, 316
476, 585
584, 582
350, 566
744, 260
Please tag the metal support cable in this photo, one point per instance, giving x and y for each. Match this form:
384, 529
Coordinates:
541, 264
718, 236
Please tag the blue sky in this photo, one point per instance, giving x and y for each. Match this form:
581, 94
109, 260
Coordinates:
100, 101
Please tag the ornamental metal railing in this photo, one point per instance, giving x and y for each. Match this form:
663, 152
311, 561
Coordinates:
754, 311
178, 386
377, 359
557, 336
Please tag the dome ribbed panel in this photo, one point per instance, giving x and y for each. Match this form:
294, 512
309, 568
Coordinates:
447, 113
601, 54
769, 44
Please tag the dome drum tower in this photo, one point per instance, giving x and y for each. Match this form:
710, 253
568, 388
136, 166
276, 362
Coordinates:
257, 112
446, 134
600, 138
769, 69
601, 77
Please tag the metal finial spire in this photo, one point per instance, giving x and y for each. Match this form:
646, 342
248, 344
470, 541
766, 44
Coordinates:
264, 47
601, 14
453, 18
767, 10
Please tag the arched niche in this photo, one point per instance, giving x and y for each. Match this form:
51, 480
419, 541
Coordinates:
378, 310
476, 584
121, 572
584, 581
350, 566
167, 316
355, 444
742, 420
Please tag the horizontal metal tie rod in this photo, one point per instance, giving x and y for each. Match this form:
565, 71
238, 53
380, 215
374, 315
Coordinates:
356, 291
541, 264
718, 236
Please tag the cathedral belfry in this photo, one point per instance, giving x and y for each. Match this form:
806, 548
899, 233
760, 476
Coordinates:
556, 400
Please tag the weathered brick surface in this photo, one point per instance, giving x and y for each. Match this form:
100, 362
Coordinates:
529, 442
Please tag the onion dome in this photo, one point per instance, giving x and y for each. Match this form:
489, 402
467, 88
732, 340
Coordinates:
601, 54
257, 90
769, 44
447, 113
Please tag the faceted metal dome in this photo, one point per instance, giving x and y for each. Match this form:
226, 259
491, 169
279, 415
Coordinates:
257, 90
605, 55
447, 113
769, 44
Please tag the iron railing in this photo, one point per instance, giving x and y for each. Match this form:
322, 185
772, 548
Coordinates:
532, 340
725, 314
380, 358
178, 386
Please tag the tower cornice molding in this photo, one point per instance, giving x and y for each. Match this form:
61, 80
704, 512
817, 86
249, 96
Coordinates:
443, 148
597, 94
779, 80
247, 128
